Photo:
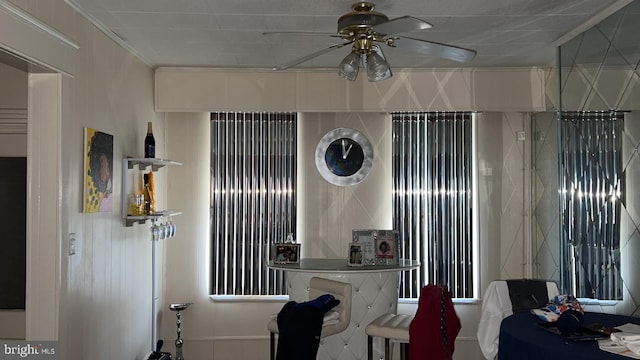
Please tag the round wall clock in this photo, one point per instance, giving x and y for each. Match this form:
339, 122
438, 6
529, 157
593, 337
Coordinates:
344, 157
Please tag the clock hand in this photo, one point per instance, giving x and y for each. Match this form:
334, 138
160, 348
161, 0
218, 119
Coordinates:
342, 141
348, 150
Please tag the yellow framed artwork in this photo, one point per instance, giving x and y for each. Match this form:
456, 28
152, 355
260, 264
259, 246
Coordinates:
98, 171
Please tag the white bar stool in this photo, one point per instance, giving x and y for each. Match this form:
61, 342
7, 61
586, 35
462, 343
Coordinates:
390, 327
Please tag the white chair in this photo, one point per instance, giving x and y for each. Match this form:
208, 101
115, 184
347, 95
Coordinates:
389, 327
317, 287
497, 305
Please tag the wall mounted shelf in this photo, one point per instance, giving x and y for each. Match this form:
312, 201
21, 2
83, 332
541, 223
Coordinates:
142, 164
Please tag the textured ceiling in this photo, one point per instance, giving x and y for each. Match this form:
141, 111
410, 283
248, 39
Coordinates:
224, 33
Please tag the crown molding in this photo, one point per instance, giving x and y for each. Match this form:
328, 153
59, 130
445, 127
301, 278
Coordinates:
34, 22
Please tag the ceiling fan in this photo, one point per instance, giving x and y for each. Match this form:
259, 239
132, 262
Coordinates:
366, 30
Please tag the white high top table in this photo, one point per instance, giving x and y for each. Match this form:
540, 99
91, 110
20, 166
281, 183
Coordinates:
375, 292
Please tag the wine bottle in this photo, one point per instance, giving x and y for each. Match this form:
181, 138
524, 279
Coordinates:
149, 194
149, 143
152, 192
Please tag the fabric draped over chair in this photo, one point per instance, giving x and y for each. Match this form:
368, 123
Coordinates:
430, 333
435, 326
504, 297
301, 327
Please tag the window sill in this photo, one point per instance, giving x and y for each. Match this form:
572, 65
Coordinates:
455, 301
249, 298
589, 301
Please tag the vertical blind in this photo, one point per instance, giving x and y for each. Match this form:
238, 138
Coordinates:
253, 199
432, 199
591, 189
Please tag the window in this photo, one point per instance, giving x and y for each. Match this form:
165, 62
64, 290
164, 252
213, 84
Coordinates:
433, 203
253, 202
591, 195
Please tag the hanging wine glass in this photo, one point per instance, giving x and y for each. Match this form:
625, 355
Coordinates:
155, 234
174, 229
170, 227
167, 228
161, 231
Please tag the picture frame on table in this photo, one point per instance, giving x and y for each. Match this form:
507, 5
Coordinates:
379, 246
285, 253
356, 255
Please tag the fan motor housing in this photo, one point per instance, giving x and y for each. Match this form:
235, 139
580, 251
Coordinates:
361, 17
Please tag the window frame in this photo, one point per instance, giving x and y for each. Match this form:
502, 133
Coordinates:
416, 232
253, 185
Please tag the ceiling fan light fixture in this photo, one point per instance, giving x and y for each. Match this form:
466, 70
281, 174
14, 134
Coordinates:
377, 66
349, 66
365, 30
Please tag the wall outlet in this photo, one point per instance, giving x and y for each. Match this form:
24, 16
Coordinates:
72, 243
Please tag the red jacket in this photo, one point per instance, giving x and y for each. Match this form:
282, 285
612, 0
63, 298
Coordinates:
433, 331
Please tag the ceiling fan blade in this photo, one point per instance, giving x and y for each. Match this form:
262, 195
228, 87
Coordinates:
310, 56
401, 25
433, 48
302, 33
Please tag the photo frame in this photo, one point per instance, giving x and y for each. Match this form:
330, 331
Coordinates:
356, 255
98, 171
285, 253
379, 247
385, 247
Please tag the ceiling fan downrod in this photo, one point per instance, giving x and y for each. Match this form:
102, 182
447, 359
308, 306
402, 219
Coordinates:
362, 17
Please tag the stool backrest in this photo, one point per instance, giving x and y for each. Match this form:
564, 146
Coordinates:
342, 291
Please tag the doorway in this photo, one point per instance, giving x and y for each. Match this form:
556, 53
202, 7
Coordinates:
13, 196
42, 103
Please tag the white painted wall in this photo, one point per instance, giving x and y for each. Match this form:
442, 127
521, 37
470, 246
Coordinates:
106, 301
97, 303
13, 88
327, 213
